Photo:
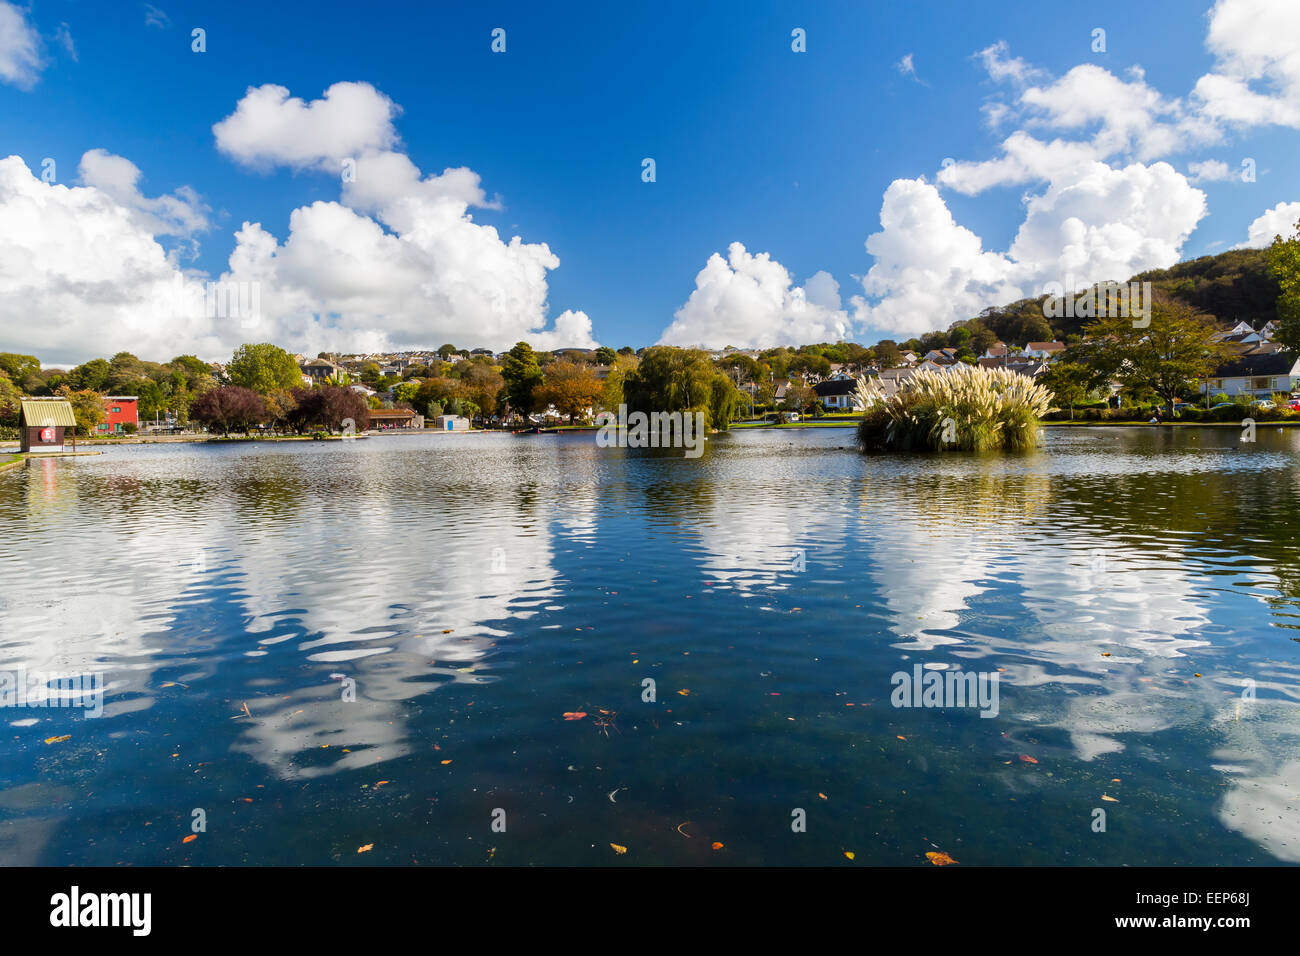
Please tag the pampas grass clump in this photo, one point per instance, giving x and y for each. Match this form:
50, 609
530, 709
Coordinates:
965, 408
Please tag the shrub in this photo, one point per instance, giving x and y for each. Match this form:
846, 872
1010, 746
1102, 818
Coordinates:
966, 408
1231, 413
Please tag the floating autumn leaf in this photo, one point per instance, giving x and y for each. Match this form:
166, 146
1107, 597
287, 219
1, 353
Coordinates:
1025, 758
849, 854
620, 850
192, 836
717, 846
444, 762
822, 795
684, 692
939, 859
574, 714
365, 849
1109, 799
58, 740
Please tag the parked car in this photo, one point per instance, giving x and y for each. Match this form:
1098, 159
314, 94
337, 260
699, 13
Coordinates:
1224, 405
1263, 403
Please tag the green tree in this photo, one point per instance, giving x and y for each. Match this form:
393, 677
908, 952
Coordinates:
1069, 382
1165, 358
888, 353
672, 380
87, 407
523, 375
264, 368
1284, 263
10, 396
92, 375
405, 393
19, 368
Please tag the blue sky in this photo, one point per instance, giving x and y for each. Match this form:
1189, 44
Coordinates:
789, 154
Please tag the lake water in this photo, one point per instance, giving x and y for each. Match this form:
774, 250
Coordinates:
1136, 593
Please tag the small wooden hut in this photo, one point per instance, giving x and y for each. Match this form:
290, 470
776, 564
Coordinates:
42, 424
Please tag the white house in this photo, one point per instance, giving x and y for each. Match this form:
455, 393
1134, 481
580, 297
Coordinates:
1255, 373
839, 392
1043, 350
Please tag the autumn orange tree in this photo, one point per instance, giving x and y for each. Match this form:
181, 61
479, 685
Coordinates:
570, 387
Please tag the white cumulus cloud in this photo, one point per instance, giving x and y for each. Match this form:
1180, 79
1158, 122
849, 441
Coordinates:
1279, 221
399, 260
750, 301
20, 48
928, 270
80, 272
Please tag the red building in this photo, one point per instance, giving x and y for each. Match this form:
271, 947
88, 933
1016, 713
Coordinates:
119, 411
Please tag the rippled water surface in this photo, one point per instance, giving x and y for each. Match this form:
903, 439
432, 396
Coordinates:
1135, 591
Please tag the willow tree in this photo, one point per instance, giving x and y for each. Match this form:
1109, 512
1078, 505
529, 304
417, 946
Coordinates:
681, 380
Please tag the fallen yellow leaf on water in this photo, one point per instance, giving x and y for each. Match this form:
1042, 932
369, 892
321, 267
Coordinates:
939, 859
445, 762
192, 836
717, 846
849, 854
574, 714
58, 740
1109, 799
822, 795
684, 692
365, 849
620, 850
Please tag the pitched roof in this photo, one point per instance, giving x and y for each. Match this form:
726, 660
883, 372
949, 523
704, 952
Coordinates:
1046, 346
49, 411
835, 386
1278, 363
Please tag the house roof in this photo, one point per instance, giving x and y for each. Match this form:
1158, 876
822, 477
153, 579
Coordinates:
1046, 346
1277, 363
391, 413
41, 412
835, 386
